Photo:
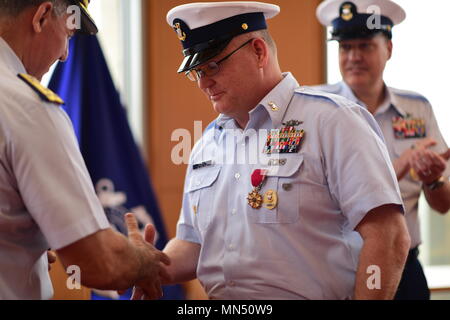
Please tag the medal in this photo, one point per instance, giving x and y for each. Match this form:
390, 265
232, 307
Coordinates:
270, 199
255, 200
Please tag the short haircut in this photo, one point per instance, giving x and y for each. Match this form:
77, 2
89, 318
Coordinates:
12, 8
265, 35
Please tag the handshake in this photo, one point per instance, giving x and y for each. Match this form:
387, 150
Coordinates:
154, 270
107, 260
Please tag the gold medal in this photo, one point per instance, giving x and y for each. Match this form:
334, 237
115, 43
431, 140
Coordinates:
270, 199
255, 200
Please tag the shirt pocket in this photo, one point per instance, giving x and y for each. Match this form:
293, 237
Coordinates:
285, 182
201, 195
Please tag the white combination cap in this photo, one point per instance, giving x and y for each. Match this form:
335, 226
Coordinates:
206, 28
360, 18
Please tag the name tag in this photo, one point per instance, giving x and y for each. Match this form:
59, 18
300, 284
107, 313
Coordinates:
277, 162
202, 165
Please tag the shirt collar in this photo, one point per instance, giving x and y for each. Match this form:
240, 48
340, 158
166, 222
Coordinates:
389, 102
9, 58
277, 101
348, 93
275, 105
395, 103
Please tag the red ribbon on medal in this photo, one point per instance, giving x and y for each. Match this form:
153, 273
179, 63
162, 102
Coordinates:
255, 200
258, 177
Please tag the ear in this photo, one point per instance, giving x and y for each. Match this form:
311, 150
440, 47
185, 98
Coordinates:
389, 48
41, 16
261, 50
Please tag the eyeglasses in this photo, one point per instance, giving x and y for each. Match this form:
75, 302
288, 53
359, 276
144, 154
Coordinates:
211, 68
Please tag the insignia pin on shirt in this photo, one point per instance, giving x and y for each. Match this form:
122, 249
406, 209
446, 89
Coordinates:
270, 199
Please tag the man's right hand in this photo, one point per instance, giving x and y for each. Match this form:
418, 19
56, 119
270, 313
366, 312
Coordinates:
153, 270
402, 165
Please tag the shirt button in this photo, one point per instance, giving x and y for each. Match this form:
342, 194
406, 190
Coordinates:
237, 176
233, 212
231, 247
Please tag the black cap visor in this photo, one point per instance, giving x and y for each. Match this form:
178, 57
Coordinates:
194, 58
358, 34
87, 23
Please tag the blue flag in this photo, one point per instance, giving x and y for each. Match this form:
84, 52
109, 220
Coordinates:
112, 157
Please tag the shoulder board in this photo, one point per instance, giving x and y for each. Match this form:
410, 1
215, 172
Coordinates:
45, 93
330, 88
408, 94
338, 101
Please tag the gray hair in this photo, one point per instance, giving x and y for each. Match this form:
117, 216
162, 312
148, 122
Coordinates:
268, 39
12, 8
265, 35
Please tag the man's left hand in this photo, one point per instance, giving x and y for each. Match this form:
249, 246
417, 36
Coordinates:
428, 165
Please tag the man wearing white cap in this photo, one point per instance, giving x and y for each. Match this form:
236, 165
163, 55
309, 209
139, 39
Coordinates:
278, 204
46, 195
415, 144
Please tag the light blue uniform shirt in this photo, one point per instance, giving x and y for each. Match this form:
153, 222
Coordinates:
402, 103
305, 248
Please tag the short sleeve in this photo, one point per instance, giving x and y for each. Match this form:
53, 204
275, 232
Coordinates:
52, 177
185, 227
359, 171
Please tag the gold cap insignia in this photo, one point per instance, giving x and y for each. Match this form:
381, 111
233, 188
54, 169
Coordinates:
347, 13
180, 33
45, 93
245, 26
84, 4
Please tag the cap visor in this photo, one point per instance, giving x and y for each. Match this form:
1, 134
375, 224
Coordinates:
355, 35
198, 58
87, 23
